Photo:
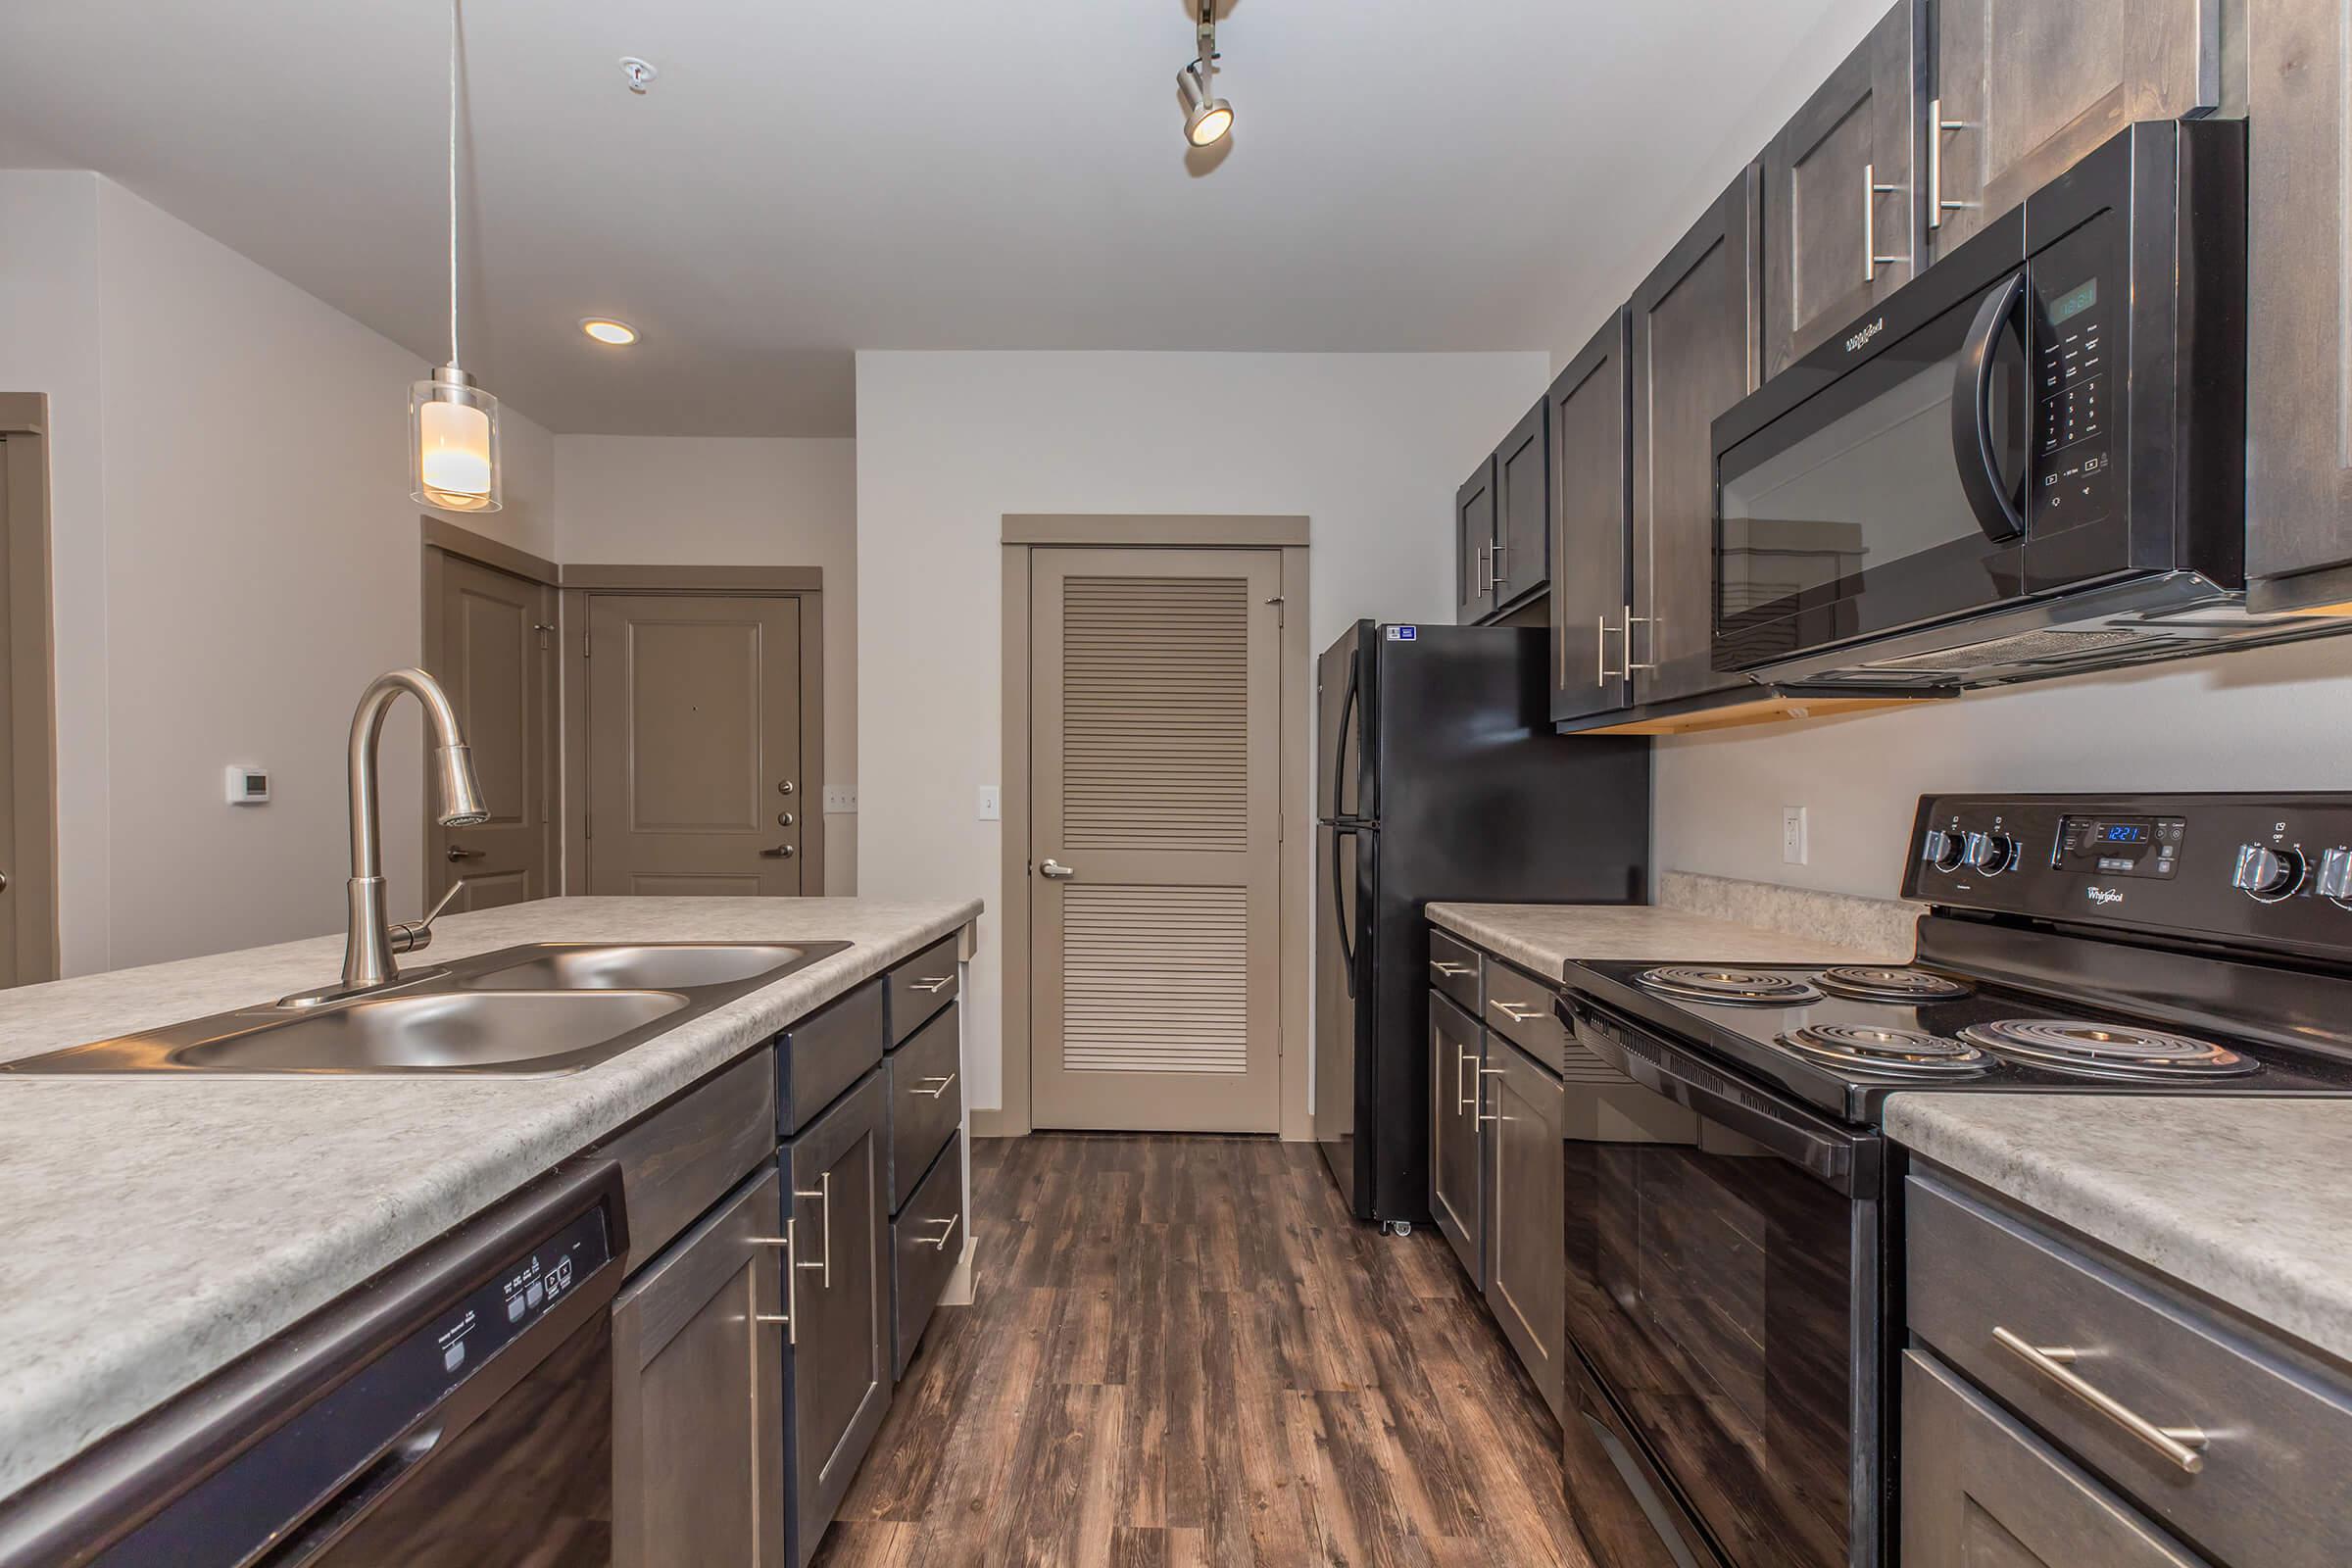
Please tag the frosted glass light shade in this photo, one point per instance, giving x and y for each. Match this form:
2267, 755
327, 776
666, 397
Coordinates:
453, 443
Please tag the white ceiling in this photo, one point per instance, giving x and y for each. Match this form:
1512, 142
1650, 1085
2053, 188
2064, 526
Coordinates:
812, 176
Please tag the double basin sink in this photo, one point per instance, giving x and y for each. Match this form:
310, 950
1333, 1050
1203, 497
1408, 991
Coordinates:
541, 1008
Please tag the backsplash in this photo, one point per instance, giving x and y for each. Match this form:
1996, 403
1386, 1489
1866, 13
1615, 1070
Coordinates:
1845, 919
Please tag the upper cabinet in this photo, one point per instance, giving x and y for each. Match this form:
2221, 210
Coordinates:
1522, 510
2025, 87
1694, 355
1474, 546
1591, 511
2300, 396
1841, 197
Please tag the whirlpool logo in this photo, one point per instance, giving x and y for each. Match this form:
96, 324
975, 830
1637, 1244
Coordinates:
1865, 335
2104, 895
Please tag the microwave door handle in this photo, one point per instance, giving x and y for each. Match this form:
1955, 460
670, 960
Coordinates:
1980, 465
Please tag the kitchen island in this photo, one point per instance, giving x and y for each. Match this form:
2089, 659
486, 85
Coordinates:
160, 1226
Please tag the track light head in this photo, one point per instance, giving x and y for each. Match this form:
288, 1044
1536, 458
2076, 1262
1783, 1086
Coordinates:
1207, 118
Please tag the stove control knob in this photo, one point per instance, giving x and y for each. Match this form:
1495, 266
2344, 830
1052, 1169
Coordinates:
2266, 873
1943, 850
2335, 874
1990, 854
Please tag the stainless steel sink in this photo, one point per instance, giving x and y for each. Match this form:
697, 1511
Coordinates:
644, 967
526, 1011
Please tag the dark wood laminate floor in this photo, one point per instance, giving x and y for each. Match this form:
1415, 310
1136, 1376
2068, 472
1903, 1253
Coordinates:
1184, 1352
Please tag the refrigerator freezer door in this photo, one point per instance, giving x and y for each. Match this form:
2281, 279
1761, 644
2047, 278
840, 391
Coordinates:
1342, 970
1343, 707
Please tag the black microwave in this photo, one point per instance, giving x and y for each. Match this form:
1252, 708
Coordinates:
2027, 461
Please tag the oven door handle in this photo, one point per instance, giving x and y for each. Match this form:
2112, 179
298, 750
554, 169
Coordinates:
1980, 465
1828, 1156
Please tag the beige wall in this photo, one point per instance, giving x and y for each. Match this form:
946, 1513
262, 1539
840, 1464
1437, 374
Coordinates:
733, 502
1368, 446
237, 554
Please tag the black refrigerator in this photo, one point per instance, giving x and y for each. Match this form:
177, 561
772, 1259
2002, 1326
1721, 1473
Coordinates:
1439, 779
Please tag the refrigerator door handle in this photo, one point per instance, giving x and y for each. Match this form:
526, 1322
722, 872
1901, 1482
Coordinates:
1339, 909
1339, 754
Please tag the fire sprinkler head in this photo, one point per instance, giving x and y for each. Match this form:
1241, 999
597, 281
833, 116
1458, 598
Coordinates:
641, 73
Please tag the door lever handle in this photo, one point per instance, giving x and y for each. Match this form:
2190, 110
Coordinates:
1057, 870
456, 853
782, 851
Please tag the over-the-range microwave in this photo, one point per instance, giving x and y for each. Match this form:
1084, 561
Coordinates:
2028, 460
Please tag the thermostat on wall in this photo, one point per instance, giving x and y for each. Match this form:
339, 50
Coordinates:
248, 786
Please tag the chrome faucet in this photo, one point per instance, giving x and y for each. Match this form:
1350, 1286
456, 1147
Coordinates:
368, 948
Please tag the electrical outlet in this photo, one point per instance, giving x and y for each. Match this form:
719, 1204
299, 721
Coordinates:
991, 805
1793, 846
841, 800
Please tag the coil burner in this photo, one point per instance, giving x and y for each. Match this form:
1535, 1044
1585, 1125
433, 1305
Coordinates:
2120, 1052
1887, 1053
1751, 988
1889, 984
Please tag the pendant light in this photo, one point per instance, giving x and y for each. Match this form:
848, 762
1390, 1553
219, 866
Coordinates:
452, 424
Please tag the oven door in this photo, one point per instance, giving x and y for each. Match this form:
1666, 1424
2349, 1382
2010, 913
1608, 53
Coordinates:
1723, 1284
1892, 495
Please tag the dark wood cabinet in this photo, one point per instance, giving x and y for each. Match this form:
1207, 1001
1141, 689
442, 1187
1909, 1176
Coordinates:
1526, 1265
837, 1374
1474, 546
2024, 88
1522, 510
1694, 355
1842, 205
1456, 1172
1592, 520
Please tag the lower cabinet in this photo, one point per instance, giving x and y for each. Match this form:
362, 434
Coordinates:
837, 1368
1456, 1173
925, 1240
1495, 1180
1526, 1260
1979, 1488
698, 1354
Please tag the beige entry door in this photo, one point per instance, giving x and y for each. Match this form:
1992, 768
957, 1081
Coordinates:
494, 650
694, 745
1155, 934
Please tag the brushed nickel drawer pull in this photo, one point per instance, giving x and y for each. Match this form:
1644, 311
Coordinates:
941, 1240
824, 1195
1449, 969
1515, 1013
1463, 1100
932, 983
2179, 1445
1493, 1072
792, 1294
934, 1093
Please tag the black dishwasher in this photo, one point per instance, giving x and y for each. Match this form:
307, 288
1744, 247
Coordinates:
456, 1409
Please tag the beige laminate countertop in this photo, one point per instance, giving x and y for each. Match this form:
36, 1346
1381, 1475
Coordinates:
2247, 1198
157, 1228
1546, 938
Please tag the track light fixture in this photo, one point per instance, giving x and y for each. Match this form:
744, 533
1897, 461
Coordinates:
1207, 116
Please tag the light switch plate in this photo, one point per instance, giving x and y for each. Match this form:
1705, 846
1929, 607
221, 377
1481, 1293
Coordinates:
1793, 845
991, 805
841, 800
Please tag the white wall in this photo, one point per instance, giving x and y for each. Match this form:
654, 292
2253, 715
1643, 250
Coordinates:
237, 554
1369, 447
733, 502
2277, 719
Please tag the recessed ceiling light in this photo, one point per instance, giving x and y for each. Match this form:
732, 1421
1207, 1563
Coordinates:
621, 334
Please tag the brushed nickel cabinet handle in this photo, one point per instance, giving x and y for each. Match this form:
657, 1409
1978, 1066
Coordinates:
934, 1093
1501, 547
1463, 1098
1515, 1015
824, 1195
941, 1240
1937, 126
2179, 1445
1653, 622
789, 1316
930, 984
1446, 966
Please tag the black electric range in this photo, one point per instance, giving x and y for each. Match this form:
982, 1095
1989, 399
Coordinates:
1730, 1228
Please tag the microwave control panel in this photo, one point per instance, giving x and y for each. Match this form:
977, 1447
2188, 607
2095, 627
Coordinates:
2075, 306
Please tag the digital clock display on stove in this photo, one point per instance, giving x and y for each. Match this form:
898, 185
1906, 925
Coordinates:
2119, 846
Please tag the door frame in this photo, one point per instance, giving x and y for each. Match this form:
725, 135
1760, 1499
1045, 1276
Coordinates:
1024, 532
577, 584
33, 662
442, 540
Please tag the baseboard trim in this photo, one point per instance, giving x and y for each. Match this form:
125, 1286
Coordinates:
998, 1124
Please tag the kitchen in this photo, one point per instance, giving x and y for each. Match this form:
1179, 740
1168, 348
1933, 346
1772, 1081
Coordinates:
1211, 990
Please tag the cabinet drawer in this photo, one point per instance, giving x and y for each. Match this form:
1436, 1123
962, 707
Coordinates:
926, 1101
683, 1158
1519, 1009
1453, 968
824, 1053
926, 1239
2279, 1433
922, 984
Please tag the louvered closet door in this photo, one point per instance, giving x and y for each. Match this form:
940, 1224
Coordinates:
1155, 713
